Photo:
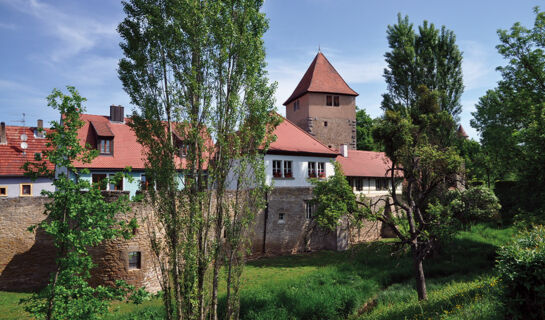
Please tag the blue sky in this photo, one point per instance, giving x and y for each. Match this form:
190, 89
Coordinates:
48, 44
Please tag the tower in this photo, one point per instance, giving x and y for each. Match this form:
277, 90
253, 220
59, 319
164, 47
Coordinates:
324, 105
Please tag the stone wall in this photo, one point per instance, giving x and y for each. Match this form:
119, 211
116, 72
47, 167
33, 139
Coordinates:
28, 258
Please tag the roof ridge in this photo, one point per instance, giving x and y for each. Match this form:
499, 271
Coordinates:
308, 134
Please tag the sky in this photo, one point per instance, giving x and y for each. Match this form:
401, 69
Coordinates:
51, 44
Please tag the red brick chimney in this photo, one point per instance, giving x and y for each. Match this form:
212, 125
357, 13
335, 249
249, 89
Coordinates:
3, 136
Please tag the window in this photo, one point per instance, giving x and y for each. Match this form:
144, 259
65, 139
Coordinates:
143, 182
282, 169
182, 147
321, 169
281, 217
381, 184
117, 186
105, 146
336, 101
99, 180
26, 189
296, 105
329, 101
359, 184
325, 123
3, 191
287, 169
309, 210
316, 169
135, 260
312, 169
277, 168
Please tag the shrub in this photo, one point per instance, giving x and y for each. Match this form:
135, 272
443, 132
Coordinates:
506, 191
521, 268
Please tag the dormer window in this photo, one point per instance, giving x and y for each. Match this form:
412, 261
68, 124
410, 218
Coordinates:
105, 146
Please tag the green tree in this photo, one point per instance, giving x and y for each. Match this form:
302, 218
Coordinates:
196, 71
511, 117
335, 199
430, 57
78, 217
364, 132
418, 140
476, 161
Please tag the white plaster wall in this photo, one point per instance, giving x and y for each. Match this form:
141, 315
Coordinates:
13, 185
299, 169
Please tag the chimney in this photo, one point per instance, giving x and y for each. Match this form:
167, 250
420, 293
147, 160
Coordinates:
39, 129
117, 113
3, 136
344, 150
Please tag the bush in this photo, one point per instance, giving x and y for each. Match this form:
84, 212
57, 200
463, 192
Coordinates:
521, 268
506, 191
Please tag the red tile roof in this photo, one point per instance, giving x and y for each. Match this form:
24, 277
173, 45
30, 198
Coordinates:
11, 155
364, 164
321, 76
126, 149
102, 129
292, 139
462, 133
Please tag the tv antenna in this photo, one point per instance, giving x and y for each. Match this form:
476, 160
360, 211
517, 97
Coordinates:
24, 137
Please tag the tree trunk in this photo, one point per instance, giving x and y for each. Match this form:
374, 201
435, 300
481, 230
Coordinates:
419, 272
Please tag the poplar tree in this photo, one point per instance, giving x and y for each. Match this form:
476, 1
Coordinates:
196, 72
430, 57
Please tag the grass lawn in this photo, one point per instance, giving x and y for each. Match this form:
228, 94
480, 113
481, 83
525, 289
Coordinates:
366, 282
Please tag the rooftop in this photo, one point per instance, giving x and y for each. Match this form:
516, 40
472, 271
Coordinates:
321, 76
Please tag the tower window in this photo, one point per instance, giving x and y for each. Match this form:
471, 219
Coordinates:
329, 101
325, 123
281, 218
336, 101
135, 260
296, 105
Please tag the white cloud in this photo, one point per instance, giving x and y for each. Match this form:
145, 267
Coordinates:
9, 26
476, 67
76, 33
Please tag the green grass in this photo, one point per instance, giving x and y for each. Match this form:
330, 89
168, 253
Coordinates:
366, 282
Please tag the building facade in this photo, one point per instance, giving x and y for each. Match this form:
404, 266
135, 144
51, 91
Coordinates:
19, 144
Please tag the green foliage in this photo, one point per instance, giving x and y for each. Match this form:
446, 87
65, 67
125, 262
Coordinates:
477, 163
78, 217
430, 57
196, 72
511, 117
472, 205
334, 199
368, 274
364, 132
520, 266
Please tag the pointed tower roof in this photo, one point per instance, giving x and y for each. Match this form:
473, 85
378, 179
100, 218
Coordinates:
462, 132
321, 77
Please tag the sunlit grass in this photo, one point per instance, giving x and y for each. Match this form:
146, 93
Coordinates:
336, 285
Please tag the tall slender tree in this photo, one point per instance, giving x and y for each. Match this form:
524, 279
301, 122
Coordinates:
195, 70
430, 57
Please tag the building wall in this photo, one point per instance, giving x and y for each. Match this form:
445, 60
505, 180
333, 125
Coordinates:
13, 185
293, 234
313, 112
28, 258
299, 169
